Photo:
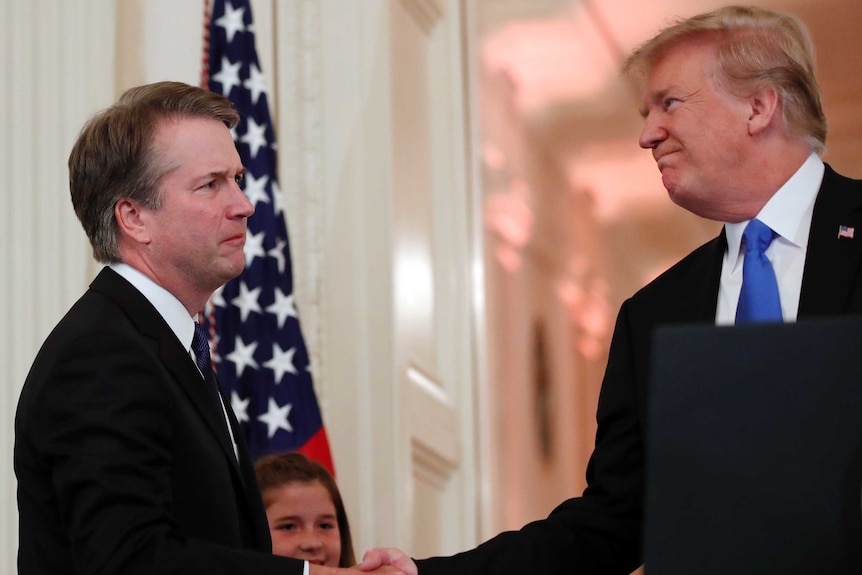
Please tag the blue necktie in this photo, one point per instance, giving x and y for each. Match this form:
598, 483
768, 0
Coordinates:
758, 299
201, 347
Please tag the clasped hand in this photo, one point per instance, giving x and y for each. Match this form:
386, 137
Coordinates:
379, 561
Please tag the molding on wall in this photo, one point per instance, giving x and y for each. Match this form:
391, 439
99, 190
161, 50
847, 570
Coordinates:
298, 56
426, 13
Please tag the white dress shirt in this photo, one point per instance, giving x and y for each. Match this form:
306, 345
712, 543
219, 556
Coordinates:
788, 213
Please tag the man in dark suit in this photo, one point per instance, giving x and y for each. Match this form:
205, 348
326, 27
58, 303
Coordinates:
128, 456
734, 121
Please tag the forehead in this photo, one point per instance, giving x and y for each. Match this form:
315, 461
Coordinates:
193, 136
302, 493
192, 147
686, 67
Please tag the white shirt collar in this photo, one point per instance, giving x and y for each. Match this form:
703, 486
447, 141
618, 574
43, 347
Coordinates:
788, 211
169, 307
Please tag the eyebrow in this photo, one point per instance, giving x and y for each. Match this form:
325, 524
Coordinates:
241, 172
213, 174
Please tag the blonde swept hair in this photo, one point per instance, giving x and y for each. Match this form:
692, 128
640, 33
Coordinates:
757, 48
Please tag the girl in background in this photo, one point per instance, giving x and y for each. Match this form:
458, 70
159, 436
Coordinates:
305, 511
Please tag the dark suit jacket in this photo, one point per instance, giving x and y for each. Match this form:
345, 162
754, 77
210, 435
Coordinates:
122, 455
600, 532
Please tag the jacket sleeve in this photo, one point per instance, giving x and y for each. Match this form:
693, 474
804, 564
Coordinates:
598, 533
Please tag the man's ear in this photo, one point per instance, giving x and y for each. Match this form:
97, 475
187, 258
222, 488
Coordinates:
765, 109
131, 221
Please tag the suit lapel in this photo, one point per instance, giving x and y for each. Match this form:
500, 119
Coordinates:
199, 391
829, 281
694, 295
173, 355
246, 472
706, 280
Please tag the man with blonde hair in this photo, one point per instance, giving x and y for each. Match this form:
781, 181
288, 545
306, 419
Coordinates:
733, 118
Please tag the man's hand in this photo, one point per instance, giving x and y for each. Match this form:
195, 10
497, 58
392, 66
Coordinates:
375, 558
382, 569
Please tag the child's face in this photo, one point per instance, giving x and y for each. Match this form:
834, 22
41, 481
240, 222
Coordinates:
303, 524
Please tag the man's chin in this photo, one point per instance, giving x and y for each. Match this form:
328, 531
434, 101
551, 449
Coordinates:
234, 268
226, 273
673, 192
670, 183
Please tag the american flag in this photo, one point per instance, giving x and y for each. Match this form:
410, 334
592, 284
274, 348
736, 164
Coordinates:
259, 353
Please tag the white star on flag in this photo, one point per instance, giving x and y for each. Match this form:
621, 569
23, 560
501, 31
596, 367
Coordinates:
277, 201
281, 362
231, 21
228, 75
276, 418
282, 307
243, 355
255, 83
253, 246
277, 253
246, 301
255, 189
239, 406
255, 137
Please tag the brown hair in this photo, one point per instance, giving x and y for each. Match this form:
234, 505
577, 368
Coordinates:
757, 48
115, 158
274, 471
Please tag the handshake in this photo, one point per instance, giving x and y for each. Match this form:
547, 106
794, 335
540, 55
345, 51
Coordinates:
379, 560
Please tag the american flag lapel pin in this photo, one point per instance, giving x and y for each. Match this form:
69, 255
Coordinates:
846, 232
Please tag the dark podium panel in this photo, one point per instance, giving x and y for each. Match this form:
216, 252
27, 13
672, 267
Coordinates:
754, 459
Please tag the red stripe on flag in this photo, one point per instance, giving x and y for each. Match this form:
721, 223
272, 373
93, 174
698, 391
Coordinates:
317, 449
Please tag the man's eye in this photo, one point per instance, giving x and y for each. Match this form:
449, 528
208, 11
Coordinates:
239, 178
669, 103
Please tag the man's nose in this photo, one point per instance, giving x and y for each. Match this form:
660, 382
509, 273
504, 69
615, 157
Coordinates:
652, 133
244, 206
